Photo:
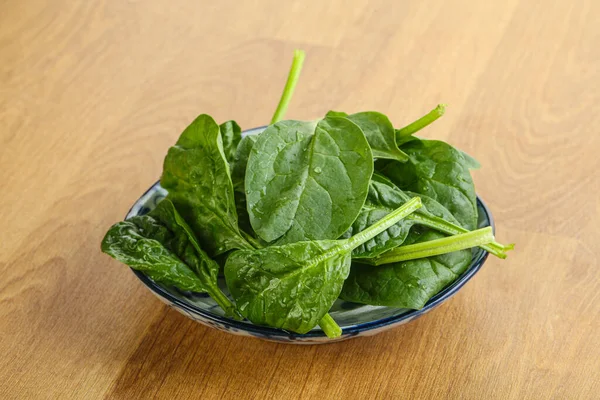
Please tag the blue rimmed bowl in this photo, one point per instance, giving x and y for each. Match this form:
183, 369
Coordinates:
354, 319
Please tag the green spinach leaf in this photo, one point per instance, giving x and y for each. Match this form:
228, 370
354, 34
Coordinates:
298, 167
125, 241
231, 134
196, 175
163, 246
383, 198
238, 174
407, 284
379, 131
437, 170
240, 162
184, 243
293, 286
469, 161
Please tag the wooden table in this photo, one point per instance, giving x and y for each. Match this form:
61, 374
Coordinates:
92, 93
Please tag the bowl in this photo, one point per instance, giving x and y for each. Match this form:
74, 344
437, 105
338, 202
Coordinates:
354, 319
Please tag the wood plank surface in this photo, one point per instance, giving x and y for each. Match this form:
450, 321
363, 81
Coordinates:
92, 93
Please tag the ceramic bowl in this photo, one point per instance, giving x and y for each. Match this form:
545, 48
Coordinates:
354, 319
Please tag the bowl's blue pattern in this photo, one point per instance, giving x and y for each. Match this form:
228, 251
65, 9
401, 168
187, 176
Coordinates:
354, 319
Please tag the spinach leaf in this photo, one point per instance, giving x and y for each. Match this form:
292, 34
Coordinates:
469, 161
294, 285
163, 246
238, 173
125, 241
288, 286
392, 237
184, 243
379, 132
240, 162
383, 198
437, 170
339, 114
231, 133
298, 167
196, 175
407, 284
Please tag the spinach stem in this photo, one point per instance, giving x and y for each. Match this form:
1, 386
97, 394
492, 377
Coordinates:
290, 85
384, 223
422, 122
436, 247
223, 301
255, 243
449, 228
330, 327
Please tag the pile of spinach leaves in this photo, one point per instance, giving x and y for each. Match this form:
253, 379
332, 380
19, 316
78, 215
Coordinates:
306, 212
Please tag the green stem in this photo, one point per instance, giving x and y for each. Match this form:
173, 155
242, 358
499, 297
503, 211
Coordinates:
254, 242
383, 224
449, 228
436, 247
330, 327
422, 122
290, 85
223, 301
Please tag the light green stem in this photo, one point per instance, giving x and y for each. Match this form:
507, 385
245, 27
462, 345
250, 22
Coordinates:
449, 228
435, 247
219, 297
290, 85
255, 243
422, 122
383, 224
330, 327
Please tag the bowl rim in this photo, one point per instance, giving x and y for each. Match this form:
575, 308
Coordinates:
350, 330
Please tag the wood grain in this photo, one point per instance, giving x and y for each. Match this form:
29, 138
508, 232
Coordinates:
93, 93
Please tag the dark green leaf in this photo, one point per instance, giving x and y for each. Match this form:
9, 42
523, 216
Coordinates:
240, 161
383, 198
339, 114
184, 243
287, 286
231, 133
163, 246
293, 286
379, 132
470, 162
437, 170
298, 167
126, 242
196, 174
408, 284
238, 174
